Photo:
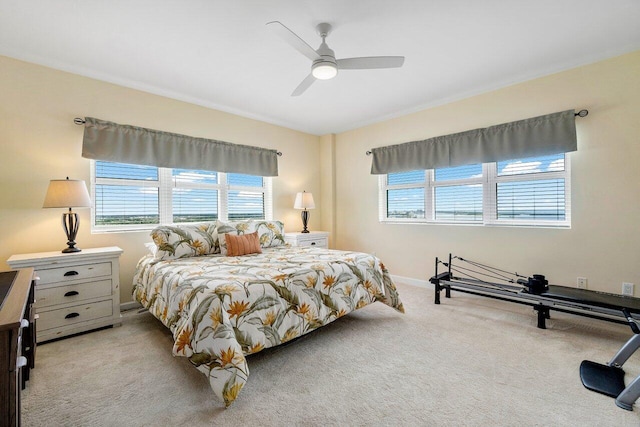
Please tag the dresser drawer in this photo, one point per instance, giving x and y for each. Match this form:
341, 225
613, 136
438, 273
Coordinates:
75, 272
71, 293
72, 315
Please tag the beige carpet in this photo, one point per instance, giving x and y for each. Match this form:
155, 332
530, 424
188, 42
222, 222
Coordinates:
470, 361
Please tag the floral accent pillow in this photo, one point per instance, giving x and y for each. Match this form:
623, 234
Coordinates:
270, 233
184, 241
152, 248
236, 228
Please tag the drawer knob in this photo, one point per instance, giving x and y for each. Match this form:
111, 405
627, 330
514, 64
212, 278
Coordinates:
24, 323
71, 315
22, 361
71, 294
313, 243
71, 273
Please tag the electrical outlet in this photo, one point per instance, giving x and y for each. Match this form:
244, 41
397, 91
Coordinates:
581, 282
627, 288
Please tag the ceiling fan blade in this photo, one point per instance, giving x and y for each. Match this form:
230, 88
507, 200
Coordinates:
308, 81
370, 62
292, 38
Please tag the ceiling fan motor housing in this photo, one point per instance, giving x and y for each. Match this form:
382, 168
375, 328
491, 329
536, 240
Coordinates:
325, 67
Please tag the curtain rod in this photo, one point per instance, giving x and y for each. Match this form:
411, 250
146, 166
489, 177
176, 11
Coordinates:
581, 113
80, 122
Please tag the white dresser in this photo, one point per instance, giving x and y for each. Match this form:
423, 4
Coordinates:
75, 292
319, 239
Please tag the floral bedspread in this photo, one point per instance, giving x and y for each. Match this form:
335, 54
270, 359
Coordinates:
220, 309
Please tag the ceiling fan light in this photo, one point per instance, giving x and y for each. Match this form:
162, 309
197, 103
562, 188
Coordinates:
324, 70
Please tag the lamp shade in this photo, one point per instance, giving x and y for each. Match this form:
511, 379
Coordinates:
304, 200
67, 193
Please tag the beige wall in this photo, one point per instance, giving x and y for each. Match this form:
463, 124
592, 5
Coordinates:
328, 185
603, 243
40, 142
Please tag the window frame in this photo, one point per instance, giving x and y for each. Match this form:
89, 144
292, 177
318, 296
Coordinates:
489, 180
165, 184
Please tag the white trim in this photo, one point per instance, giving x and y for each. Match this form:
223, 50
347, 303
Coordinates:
131, 305
268, 197
411, 281
166, 184
382, 198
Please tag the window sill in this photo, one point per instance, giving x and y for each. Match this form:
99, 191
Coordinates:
563, 226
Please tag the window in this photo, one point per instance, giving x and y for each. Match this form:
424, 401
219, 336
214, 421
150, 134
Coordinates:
458, 194
405, 195
529, 192
133, 197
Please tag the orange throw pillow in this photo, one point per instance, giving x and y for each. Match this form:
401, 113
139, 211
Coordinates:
243, 244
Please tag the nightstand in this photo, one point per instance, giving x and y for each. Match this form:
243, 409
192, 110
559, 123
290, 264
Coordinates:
75, 292
319, 239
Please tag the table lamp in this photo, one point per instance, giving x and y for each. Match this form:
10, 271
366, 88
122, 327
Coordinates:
68, 193
304, 201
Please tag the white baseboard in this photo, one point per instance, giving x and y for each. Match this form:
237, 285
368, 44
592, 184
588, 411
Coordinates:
411, 281
131, 305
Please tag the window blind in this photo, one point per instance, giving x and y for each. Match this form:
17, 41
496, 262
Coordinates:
534, 190
129, 195
194, 195
134, 197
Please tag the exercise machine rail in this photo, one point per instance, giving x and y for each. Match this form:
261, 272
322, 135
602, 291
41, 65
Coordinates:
581, 302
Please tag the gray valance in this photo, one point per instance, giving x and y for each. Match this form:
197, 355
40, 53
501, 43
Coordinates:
537, 136
130, 144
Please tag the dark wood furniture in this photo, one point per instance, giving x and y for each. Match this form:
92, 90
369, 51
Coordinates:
17, 341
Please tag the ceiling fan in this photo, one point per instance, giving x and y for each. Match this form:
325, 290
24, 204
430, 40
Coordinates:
325, 65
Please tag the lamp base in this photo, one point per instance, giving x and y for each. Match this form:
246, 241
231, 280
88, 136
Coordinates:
305, 218
70, 224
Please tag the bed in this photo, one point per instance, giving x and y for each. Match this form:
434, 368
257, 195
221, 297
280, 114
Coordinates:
221, 306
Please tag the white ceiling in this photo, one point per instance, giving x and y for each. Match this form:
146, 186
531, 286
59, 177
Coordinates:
220, 53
